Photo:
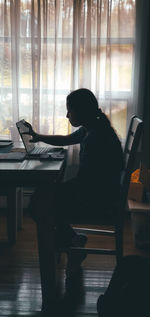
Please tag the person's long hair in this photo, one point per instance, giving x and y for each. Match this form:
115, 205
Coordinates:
84, 102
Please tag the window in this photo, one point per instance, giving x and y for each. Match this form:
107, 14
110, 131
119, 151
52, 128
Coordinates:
51, 47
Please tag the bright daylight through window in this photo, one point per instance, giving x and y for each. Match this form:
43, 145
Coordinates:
48, 48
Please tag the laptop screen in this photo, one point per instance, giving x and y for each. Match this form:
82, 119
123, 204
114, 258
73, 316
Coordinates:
25, 137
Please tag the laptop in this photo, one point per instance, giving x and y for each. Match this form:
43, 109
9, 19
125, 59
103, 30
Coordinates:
34, 150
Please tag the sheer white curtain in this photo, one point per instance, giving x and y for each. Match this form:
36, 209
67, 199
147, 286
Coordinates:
49, 48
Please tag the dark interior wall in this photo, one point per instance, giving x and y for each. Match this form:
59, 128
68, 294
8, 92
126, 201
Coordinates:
146, 110
141, 89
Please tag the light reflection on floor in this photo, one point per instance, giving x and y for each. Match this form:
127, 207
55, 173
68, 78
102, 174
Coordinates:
25, 294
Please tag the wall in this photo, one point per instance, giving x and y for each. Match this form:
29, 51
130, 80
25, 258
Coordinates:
146, 113
141, 89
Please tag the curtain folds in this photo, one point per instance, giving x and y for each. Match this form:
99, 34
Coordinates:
50, 47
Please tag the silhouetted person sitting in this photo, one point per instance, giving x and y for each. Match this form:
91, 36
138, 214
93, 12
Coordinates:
97, 184
128, 292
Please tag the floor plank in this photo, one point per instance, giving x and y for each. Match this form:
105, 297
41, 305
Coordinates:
20, 291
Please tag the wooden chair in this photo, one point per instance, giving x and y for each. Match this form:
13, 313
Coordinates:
117, 221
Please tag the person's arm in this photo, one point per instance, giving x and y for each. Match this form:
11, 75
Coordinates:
58, 140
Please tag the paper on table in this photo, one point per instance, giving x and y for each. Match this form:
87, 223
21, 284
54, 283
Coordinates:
12, 156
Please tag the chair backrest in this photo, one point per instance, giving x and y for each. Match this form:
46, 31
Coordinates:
130, 152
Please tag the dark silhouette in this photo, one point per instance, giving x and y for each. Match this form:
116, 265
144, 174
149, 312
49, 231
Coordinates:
98, 177
129, 289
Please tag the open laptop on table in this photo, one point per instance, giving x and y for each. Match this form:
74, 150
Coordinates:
34, 151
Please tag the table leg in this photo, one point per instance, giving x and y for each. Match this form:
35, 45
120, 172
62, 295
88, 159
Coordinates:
46, 247
11, 215
19, 206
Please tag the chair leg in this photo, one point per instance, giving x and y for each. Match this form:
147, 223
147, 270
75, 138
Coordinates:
119, 243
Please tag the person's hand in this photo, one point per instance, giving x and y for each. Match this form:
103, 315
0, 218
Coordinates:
31, 132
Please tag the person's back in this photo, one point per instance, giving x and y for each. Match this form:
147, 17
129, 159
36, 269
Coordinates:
101, 162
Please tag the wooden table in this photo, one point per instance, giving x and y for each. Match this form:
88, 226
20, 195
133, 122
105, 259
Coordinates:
31, 173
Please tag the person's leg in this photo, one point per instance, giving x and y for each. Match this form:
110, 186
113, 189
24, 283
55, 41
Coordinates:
59, 205
59, 201
68, 209
41, 211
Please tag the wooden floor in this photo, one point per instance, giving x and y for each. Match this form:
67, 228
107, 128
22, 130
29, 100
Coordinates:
20, 293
